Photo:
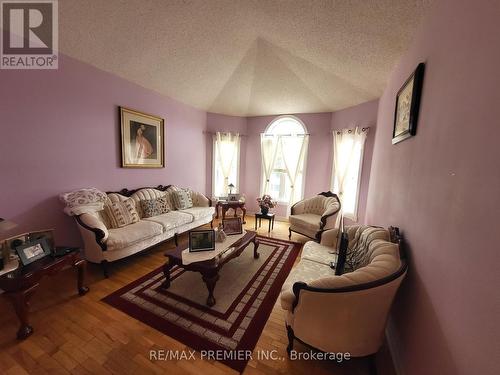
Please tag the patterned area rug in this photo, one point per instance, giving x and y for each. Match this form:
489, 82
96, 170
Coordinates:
246, 293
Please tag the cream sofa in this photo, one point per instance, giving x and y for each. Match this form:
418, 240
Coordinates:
103, 244
345, 313
312, 216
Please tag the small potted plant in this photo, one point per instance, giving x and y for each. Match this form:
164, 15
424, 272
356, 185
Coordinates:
265, 203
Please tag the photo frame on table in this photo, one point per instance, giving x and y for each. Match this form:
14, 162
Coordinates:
407, 106
48, 234
201, 240
232, 225
142, 139
32, 251
233, 197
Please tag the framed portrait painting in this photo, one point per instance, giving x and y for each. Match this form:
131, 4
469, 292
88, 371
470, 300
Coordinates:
407, 106
142, 139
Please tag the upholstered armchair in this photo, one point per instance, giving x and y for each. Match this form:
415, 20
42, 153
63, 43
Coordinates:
312, 216
345, 313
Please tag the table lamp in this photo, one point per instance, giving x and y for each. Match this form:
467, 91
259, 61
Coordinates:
230, 186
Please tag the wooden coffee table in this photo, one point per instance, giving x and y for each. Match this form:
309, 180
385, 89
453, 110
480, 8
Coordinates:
209, 269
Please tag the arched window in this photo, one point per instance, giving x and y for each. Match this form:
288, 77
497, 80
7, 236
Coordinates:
284, 152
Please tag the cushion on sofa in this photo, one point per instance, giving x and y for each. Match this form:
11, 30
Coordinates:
154, 207
172, 219
182, 199
200, 212
121, 214
315, 252
120, 238
307, 271
309, 223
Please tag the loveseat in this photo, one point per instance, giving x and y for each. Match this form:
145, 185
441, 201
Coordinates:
312, 216
104, 243
345, 313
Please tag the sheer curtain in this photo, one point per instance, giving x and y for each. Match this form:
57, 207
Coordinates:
294, 149
269, 149
348, 148
226, 160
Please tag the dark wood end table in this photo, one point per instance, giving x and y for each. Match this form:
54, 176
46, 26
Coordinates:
226, 205
209, 269
20, 284
269, 216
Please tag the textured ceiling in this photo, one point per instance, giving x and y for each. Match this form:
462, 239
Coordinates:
245, 57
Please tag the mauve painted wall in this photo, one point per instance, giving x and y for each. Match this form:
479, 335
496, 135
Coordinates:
442, 187
362, 115
60, 131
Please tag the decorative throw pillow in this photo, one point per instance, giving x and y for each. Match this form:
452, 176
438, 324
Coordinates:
182, 199
122, 213
155, 207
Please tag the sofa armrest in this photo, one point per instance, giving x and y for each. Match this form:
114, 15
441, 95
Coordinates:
330, 237
330, 218
200, 200
94, 224
287, 299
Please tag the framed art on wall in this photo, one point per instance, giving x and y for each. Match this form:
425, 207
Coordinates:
142, 139
407, 106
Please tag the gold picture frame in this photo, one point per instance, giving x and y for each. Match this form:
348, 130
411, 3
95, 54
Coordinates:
142, 139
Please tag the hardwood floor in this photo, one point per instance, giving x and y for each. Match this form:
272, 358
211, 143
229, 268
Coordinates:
82, 335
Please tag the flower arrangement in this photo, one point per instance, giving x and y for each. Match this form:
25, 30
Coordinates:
265, 203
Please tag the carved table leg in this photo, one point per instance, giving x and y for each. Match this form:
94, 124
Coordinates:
166, 272
224, 210
81, 265
217, 210
256, 255
21, 306
210, 280
244, 209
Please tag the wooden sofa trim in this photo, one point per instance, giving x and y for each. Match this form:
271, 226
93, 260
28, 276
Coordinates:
99, 234
395, 238
128, 193
323, 220
329, 194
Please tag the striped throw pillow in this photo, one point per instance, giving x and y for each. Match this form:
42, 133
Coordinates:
122, 213
182, 199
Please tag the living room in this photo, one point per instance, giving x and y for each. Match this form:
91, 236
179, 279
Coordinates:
255, 187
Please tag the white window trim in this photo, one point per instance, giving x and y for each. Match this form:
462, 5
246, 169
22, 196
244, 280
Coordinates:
304, 170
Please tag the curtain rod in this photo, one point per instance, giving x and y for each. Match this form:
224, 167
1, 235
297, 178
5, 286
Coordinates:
213, 133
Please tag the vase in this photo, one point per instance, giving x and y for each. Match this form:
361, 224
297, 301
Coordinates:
264, 210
